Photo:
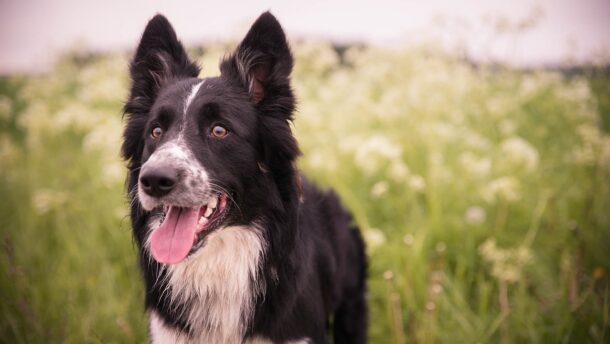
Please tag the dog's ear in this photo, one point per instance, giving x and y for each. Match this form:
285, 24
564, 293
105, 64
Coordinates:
261, 65
262, 62
160, 57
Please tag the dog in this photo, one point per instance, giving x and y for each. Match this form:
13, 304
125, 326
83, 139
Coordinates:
234, 244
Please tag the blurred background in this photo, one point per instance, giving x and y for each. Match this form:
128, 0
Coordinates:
470, 139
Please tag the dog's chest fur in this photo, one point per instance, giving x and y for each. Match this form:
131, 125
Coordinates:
219, 284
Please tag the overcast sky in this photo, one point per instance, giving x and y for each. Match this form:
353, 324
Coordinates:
32, 32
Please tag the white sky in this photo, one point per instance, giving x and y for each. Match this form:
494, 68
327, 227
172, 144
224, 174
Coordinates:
32, 32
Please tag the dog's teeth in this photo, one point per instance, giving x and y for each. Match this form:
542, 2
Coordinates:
223, 201
202, 220
213, 203
208, 212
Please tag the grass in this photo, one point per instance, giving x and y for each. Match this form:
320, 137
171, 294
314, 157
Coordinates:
482, 193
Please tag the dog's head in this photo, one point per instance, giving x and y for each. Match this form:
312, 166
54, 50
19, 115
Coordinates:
201, 151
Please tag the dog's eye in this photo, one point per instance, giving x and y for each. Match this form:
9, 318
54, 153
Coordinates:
156, 133
219, 131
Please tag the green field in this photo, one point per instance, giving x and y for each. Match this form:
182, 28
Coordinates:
483, 193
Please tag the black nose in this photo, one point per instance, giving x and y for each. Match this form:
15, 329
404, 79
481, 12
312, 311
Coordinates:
159, 181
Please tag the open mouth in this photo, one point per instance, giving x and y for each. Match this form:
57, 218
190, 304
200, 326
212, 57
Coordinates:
182, 230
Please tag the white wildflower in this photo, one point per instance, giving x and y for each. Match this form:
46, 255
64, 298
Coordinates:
398, 171
504, 188
349, 143
440, 247
577, 90
591, 140
76, 115
374, 238
35, 117
380, 188
475, 215
104, 137
499, 107
417, 183
316, 160
436, 289
374, 152
474, 166
506, 264
519, 152
476, 141
529, 86
408, 239
108, 89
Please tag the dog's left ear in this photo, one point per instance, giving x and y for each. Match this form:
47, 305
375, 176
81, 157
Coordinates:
262, 62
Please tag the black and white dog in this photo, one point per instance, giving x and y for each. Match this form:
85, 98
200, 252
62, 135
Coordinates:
235, 246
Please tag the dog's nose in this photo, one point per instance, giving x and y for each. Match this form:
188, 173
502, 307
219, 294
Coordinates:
159, 181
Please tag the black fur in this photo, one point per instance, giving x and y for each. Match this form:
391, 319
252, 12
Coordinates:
314, 265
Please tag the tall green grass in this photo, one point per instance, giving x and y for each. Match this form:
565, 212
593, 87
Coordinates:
483, 194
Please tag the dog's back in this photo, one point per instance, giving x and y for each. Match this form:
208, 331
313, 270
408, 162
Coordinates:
341, 261
331, 257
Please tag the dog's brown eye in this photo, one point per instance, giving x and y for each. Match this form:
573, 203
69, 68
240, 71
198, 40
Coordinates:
156, 133
219, 131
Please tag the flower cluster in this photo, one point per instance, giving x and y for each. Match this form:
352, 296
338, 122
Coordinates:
506, 264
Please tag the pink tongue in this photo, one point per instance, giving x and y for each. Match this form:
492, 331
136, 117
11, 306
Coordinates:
172, 241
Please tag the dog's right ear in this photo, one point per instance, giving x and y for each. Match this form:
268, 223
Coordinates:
160, 57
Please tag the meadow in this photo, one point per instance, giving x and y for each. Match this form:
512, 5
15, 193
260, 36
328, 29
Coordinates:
482, 191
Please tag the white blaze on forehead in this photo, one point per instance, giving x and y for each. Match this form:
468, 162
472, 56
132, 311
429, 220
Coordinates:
187, 102
191, 96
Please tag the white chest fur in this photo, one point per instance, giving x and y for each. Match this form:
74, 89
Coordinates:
162, 334
219, 282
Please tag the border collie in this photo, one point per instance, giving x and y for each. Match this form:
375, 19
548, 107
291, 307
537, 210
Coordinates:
235, 246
